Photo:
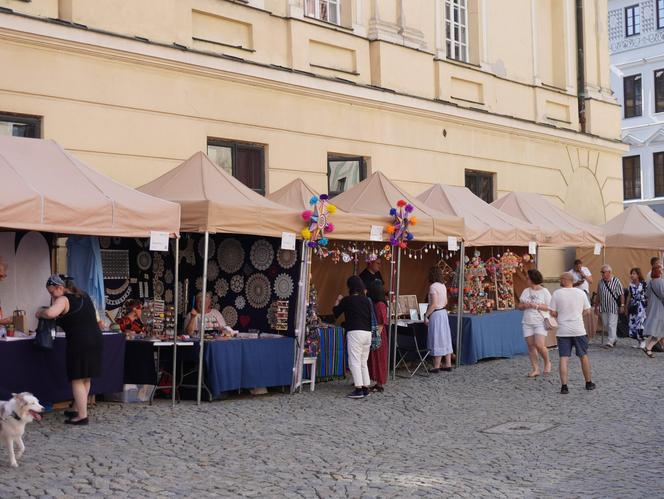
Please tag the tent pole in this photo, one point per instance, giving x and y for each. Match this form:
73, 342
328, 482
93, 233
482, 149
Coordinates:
390, 311
175, 314
462, 285
201, 329
301, 318
396, 306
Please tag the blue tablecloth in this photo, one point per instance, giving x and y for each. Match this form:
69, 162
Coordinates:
43, 373
497, 334
247, 363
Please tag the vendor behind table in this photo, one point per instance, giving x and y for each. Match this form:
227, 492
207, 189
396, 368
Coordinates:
214, 321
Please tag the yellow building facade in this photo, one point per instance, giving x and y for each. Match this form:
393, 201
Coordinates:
491, 92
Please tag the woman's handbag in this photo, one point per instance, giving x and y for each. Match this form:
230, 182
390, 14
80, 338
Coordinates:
44, 334
550, 323
376, 329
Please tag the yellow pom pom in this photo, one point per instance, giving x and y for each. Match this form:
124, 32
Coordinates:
331, 208
306, 234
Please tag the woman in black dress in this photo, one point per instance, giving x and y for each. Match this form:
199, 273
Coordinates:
75, 314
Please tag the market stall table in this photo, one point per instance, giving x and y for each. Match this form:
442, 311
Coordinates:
43, 373
486, 336
233, 364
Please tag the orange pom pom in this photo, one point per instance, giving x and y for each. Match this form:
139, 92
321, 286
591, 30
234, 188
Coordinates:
413, 220
389, 229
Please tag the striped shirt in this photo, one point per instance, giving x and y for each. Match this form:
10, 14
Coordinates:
609, 295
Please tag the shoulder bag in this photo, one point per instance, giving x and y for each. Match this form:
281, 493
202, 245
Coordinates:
376, 329
44, 334
616, 298
550, 322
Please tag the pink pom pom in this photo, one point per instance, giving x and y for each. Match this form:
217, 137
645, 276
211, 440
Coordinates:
306, 215
329, 227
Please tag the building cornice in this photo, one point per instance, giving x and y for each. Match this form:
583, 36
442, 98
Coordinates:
27, 30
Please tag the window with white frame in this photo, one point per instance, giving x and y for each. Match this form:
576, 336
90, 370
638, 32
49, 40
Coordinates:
456, 29
632, 20
660, 14
324, 10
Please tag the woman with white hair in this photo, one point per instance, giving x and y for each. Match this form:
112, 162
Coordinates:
610, 301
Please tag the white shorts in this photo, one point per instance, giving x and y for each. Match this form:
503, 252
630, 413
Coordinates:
532, 329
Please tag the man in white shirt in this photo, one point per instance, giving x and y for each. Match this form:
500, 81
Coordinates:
567, 305
582, 276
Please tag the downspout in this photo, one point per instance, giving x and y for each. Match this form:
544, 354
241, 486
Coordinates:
580, 66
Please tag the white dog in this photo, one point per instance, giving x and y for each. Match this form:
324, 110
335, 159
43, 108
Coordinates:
21, 409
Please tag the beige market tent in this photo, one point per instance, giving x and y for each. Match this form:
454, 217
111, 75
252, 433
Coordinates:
44, 188
377, 195
214, 201
559, 228
485, 225
347, 226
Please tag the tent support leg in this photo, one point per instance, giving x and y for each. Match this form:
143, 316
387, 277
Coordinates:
390, 314
396, 312
301, 318
462, 285
175, 313
201, 327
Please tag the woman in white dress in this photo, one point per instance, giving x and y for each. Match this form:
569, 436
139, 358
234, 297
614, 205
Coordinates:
439, 339
534, 301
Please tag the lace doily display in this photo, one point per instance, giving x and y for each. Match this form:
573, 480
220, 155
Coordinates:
237, 283
283, 286
240, 302
221, 287
230, 255
144, 260
158, 266
261, 254
168, 296
211, 247
230, 316
168, 277
213, 271
286, 258
199, 283
187, 254
258, 290
158, 289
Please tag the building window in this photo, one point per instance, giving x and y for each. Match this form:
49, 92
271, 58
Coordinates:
632, 177
658, 171
244, 161
324, 10
456, 29
632, 20
659, 90
660, 14
344, 172
632, 95
481, 184
18, 125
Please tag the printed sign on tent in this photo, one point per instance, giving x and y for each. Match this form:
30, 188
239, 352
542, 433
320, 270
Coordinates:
452, 243
158, 241
288, 240
598, 249
376, 233
532, 248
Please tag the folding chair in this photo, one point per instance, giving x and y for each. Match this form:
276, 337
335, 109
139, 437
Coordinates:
411, 348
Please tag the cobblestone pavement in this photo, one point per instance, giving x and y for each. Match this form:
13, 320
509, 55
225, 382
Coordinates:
422, 437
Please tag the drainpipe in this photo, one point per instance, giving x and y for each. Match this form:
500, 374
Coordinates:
580, 66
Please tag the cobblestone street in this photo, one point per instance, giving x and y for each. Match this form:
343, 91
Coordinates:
422, 437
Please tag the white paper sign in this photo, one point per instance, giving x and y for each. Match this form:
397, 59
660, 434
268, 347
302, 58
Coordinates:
532, 247
376, 233
288, 240
158, 241
452, 243
598, 249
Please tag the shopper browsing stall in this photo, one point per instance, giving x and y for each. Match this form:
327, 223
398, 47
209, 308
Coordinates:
439, 339
76, 315
582, 276
214, 321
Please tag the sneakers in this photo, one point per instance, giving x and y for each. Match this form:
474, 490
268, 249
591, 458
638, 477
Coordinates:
590, 385
365, 390
564, 390
358, 393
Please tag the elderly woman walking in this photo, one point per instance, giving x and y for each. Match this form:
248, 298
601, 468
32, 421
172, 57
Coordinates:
636, 306
653, 328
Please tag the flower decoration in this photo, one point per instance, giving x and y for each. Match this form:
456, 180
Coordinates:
399, 230
318, 222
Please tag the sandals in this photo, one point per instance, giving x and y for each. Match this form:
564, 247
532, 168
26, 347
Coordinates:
648, 353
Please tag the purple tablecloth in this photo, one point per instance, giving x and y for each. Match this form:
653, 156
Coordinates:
23, 368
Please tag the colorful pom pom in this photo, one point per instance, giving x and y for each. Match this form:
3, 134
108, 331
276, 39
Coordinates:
313, 200
306, 233
410, 236
390, 229
324, 197
393, 241
306, 215
331, 209
393, 212
329, 227
413, 220
401, 203
312, 244
409, 208
323, 241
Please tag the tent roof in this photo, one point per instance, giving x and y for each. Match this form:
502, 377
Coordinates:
376, 195
347, 226
485, 225
559, 228
214, 201
636, 227
47, 189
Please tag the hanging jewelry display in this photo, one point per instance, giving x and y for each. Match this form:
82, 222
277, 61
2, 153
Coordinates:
278, 315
